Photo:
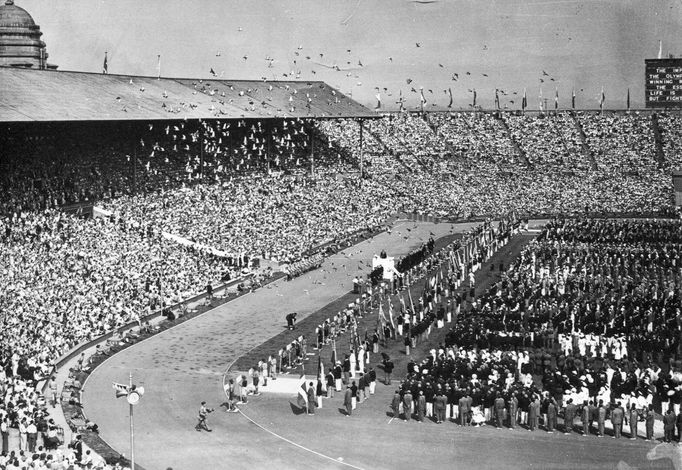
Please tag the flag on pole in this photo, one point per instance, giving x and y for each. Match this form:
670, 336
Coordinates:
660, 49
212, 72
401, 101
573, 99
450, 93
121, 390
497, 99
158, 66
390, 313
474, 98
302, 389
333, 359
320, 372
378, 97
556, 98
540, 98
602, 98
382, 316
628, 100
422, 99
411, 302
524, 101
105, 66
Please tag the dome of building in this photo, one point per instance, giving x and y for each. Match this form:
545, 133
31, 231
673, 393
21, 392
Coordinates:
20, 43
14, 16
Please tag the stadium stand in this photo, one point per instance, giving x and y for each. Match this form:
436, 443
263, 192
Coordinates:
258, 171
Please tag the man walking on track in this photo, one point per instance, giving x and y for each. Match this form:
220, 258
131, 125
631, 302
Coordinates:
203, 413
348, 401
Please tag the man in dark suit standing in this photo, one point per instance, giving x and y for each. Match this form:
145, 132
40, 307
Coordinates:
469, 406
633, 417
421, 406
617, 416
569, 415
388, 369
440, 404
585, 418
533, 414
551, 415
499, 410
513, 411
601, 418
338, 375
679, 426
669, 425
463, 410
395, 404
592, 410
348, 400
407, 404
650, 419
77, 447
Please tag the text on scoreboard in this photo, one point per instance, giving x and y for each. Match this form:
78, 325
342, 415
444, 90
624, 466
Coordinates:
663, 83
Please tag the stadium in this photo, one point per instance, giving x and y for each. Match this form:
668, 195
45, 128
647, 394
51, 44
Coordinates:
436, 234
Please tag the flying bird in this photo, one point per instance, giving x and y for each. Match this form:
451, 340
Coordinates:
418, 44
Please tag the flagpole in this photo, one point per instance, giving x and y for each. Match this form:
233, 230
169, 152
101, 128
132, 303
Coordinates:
158, 77
132, 431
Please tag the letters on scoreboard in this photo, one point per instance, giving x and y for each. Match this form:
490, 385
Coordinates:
663, 83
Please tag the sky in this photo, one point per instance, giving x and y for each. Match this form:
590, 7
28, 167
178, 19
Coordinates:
378, 44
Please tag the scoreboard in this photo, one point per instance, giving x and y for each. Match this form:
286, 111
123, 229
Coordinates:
663, 83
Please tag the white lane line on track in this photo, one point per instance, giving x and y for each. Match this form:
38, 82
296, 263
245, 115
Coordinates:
389, 421
299, 445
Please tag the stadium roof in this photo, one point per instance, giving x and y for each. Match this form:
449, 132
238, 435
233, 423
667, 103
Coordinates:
46, 95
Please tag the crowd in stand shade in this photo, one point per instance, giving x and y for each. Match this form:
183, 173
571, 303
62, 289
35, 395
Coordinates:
247, 189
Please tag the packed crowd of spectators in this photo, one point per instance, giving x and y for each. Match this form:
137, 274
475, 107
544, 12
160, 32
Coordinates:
246, 189
65, 280
476, 138
671, 139
551, 141
271, 216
